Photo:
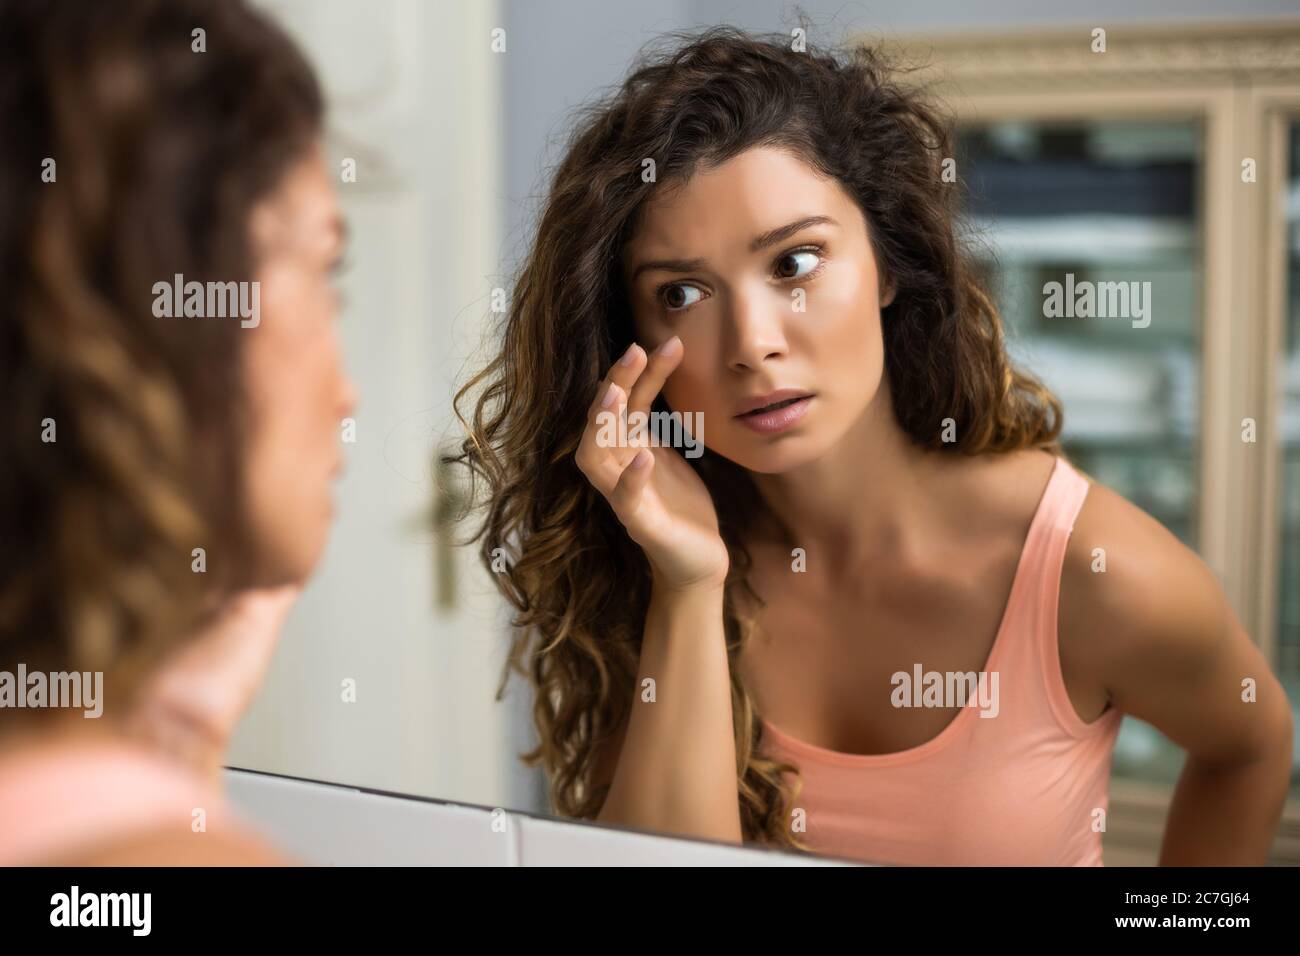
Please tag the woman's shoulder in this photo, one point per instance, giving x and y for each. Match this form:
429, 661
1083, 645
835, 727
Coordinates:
1131, 592
1145, 619
1124, 561
101, 799
224, 845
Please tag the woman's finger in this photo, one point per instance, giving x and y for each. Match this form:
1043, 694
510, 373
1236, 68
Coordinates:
622, 373
661, 364
600, 462
604, 461
626, 495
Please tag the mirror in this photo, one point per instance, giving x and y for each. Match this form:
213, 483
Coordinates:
389, 675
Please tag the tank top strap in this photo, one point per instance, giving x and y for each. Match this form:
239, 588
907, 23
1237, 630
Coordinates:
1062, 501
1061, 505
1031, 611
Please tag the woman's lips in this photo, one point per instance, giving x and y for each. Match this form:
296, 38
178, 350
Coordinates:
778, 419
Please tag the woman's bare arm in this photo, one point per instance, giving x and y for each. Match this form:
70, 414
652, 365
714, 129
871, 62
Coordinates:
675, 765
676, 768
1162, 639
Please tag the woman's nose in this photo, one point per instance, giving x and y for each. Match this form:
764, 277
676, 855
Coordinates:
756, 326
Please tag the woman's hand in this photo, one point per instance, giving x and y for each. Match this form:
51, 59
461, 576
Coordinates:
192, 704
658, 497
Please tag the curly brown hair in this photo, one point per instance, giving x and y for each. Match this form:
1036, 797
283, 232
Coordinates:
580, 586
129, 157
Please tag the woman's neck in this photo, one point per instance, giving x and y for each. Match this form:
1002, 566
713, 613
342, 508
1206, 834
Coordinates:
869, 499
57, 730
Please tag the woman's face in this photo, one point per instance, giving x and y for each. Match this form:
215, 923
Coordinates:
298, 389
765, 271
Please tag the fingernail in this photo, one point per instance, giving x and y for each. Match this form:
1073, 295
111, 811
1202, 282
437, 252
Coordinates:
608, 400
671, 347
629, 356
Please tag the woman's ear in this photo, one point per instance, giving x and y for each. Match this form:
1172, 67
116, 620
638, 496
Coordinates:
887, 291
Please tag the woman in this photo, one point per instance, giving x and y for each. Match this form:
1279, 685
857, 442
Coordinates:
761, 643
172, 390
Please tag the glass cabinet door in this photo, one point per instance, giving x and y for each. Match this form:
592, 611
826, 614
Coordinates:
1063, 212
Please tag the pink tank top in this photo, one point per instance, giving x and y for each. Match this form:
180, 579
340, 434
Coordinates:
66, 798
1026, 787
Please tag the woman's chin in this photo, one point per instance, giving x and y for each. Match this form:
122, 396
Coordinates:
774, 460
294, 559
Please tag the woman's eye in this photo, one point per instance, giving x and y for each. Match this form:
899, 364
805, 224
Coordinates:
677, 297
796, 265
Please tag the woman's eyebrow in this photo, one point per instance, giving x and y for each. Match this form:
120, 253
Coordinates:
781, 233
769, 238
668, 265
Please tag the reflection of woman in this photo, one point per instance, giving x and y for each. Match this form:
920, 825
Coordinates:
156, 470
745, 225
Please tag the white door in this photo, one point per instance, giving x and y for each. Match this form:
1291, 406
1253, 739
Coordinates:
413, 95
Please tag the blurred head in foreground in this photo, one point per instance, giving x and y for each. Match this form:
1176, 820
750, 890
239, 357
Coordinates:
170, 379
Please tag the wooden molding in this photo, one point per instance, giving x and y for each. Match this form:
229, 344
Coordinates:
1148, 56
